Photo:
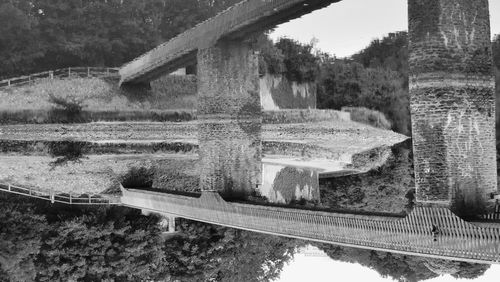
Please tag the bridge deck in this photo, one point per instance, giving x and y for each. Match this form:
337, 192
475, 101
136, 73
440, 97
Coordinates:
234, 23
458, 240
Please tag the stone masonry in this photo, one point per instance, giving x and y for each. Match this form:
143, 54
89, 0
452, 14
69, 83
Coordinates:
230, 118
452, 101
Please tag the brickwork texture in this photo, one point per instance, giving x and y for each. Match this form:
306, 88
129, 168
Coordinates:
230, 118
452, 100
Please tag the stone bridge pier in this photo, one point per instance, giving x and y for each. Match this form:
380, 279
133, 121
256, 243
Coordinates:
452, 103
230, 118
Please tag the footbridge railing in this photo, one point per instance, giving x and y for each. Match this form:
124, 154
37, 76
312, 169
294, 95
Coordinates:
59, 197
430, 232
59, 73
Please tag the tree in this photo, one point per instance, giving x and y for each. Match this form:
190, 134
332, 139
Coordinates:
45, 242
403, 267
348, 83
300, 64
212, 253
20, 239
37, 35
117, 245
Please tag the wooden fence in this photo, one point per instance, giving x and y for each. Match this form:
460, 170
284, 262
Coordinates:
60, 73
59, 197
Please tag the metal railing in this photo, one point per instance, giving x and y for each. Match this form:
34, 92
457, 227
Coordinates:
414, 234
59, 73
59, 197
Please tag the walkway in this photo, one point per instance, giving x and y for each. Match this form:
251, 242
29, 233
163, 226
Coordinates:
458, 240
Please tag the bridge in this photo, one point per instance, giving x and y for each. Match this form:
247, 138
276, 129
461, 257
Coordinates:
451, 83
411, 235
235, 23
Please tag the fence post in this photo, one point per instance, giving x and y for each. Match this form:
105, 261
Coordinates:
69, 71
51, 74
88, 71
8, 82
70, 199
90, 201
9, 188
29, 79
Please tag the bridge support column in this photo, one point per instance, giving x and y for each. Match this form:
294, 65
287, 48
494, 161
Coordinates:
452, 102
230, 118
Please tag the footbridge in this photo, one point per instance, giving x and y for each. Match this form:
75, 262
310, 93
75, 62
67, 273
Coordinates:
235, 23
412, 235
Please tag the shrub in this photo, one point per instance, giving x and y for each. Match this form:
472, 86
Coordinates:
138, 177
300, 64
65, 110
66, 151
367, 116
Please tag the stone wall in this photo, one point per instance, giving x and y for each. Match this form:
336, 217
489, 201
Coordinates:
284, 184
230, 118
277, 92
452, 100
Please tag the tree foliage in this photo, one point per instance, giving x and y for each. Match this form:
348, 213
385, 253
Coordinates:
59, 243
402, 267
38, 35
345, 83
20, 240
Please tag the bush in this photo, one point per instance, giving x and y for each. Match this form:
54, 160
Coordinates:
367, 116
271, 59
65, 110
66, 151
138, 177
300, 64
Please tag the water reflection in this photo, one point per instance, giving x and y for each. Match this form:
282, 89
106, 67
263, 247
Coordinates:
240, 158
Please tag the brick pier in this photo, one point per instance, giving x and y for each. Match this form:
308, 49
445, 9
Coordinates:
230, 118
452, 102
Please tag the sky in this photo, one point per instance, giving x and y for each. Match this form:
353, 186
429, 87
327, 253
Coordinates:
348, 26
312, 264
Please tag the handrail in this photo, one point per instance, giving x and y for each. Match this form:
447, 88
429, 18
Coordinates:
57, 196
60, 73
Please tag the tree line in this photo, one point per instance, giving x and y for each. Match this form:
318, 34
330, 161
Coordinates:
37, 35
43, 242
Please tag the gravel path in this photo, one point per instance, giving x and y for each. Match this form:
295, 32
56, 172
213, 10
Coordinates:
340, 136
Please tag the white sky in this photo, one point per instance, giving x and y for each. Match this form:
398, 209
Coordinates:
346, 27
314, 265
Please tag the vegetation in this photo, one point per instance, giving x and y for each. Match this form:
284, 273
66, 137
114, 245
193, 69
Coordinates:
367, 116
57, 243
175, 92
403, 267
138, 177
388, 188
65, 110
66, 151
46, 34
50, 243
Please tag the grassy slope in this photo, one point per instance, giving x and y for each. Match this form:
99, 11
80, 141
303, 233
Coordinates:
95, 173
101, 94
